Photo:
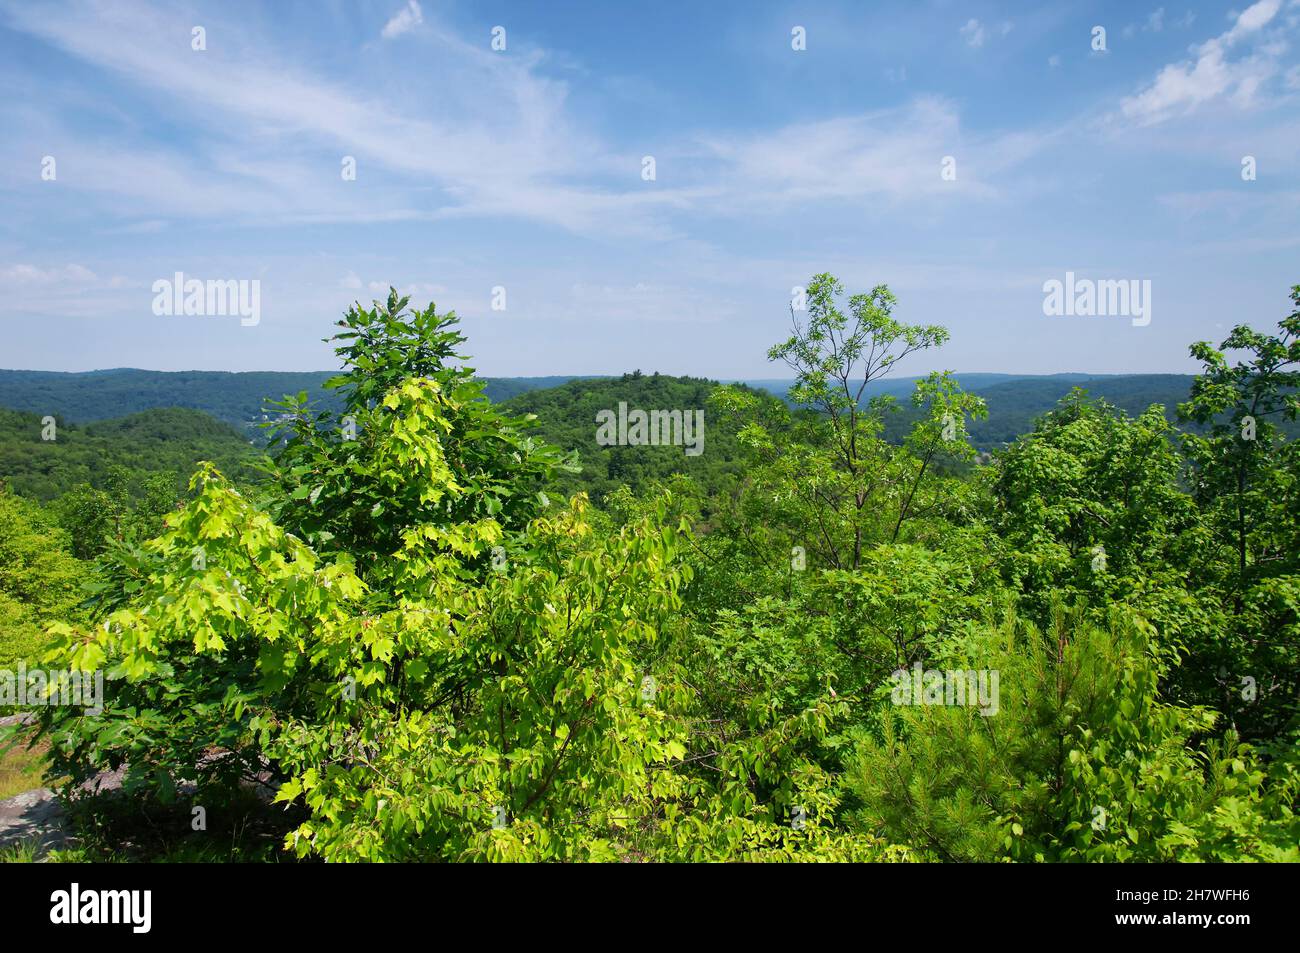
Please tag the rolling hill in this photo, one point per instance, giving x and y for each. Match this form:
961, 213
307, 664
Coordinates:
567, 417
162, 440
167, 419
238, 398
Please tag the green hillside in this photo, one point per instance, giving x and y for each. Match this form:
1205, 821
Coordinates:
901, 387
567, 418
1014, 406
238, 399
165, 440
1015, 402
173, 437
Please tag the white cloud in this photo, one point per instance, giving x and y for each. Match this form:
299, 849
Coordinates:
67, 290
1251, 19
31, 275
404, 20
891, 153
1180, 88
894, 154
410, 289
645, 302
973, 31
497, 139
1229, 201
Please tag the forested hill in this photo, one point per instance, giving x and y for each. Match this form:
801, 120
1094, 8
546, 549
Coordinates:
149, 434
240, 399
237, 398
167, 440
1015, 402
567, 418
1014, 405
902, 386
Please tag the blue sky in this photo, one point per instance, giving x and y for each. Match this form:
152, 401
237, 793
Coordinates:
522, 168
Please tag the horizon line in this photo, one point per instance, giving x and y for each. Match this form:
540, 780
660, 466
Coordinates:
606, 374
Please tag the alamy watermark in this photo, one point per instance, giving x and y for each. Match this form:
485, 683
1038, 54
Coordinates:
640, 428
61, 687
190, 296
1084, 297
976, 688
132, 908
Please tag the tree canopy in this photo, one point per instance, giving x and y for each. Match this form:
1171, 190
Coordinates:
827, 645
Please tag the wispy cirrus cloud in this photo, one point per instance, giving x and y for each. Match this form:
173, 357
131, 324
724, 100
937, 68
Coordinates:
522, 169
403, 21
1214, 73
498, 143
32, 275
896, 155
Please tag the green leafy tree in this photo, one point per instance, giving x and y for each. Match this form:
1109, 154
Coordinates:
826, 475
1243, 469
1089, 505
335, 482
121, 512
40, 581
423, 672
1081, 761
1245, 477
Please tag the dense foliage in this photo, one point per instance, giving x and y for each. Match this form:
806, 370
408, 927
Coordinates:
45, 461
40, 581
566, 416
837, 646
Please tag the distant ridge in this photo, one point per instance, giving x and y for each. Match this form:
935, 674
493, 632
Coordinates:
236, 397
1015, 400
168, 440
973, 381
239, 398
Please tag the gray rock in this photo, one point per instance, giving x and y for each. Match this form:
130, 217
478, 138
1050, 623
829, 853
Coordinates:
34, 817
